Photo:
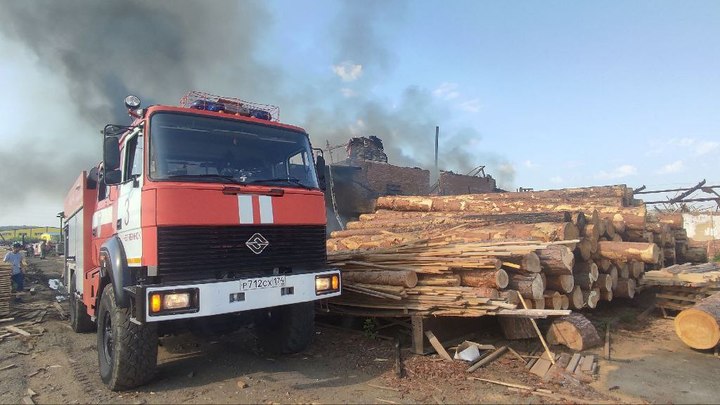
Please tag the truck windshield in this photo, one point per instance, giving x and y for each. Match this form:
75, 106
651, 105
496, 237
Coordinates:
192, 148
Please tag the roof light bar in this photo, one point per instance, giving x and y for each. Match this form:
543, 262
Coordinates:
229, 105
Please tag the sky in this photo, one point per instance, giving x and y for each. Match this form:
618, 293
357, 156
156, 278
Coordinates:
545, 94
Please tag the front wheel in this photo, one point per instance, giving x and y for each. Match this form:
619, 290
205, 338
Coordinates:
286, 329
127, 352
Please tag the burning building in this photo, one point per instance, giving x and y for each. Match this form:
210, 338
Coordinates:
365, 174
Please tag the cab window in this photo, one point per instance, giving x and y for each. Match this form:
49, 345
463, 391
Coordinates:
133, 158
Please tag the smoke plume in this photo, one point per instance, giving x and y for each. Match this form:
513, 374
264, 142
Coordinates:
100, 51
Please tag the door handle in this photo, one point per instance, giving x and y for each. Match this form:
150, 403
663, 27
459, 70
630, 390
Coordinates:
119, 224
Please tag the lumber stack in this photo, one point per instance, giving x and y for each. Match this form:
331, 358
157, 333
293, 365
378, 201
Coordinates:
5, 288
559, 249
682, 286
440, 276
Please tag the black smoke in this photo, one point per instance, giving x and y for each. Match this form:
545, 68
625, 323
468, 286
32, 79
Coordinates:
102, 51
105, 50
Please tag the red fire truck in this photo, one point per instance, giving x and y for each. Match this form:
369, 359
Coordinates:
211, 211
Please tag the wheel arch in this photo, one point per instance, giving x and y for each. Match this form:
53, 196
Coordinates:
114, 270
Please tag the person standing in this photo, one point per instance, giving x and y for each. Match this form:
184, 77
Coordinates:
16, 259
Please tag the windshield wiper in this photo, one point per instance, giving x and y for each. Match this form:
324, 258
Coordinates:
291, 180
228, 179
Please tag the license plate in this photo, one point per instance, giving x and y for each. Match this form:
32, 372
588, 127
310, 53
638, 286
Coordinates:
262, 282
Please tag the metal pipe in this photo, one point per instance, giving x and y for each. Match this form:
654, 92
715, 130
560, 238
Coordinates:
437, 137
685, 201
670, 190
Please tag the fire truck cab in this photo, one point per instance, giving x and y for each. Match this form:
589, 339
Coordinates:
203, 211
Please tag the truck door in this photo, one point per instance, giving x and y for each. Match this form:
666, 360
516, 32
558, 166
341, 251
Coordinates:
128, 208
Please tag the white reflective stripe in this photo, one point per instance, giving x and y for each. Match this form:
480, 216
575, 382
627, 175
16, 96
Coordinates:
266, 209
245, 208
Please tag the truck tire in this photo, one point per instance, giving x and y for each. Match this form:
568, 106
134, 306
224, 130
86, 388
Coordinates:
80, 321
286, 329
127, 352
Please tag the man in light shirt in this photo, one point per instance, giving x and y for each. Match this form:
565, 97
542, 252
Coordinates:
16, 259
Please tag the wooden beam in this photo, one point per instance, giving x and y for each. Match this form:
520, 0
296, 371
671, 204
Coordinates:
542, 339
437, 346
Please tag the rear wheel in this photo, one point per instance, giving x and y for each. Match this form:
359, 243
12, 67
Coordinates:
286, 329
80, 321
127, 352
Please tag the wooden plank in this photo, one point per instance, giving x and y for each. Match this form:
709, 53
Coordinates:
573, 363
607, 341
437, 346
586, 363
533, 359
534, 313
497, 353
516, 354
17, 330
504, 384
676, 297
670, 305
418, 336
541, 367
644, 314
558, 369
542, 339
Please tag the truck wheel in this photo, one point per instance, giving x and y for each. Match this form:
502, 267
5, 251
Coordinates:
80, 321
286, 329
127, 352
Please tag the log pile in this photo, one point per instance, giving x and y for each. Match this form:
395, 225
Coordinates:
682, 286
5, 288
440, 276
473, 254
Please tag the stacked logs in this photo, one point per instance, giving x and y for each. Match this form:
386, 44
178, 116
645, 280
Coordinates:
5, 288
443, 276
590, 244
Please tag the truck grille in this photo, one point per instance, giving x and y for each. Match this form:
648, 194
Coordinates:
212, 252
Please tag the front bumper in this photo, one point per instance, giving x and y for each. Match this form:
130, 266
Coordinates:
215, 298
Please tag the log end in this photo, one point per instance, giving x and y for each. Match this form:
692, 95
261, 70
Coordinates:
697, 329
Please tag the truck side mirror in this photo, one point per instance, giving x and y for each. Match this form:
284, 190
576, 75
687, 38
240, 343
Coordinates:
320, 169
111, 153
111, 161
112, 177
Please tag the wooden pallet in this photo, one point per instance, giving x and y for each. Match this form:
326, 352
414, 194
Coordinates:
673, 299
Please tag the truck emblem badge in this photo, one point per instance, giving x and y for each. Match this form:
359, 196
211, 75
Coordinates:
257, 243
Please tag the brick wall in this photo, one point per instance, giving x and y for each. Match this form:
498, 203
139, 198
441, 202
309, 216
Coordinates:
359, 183
453, 184
704, 228
387, 179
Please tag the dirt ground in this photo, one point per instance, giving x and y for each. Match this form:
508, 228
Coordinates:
648, 364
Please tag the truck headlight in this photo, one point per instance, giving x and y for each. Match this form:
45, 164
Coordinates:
173, 301
327, 284
176, 301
